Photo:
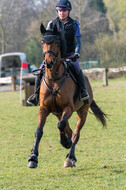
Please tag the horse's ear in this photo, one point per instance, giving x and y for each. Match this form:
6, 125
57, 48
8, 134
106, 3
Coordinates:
42, 29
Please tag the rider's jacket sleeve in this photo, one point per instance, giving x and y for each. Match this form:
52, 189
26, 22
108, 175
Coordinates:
77, 38
77, 45
77, 29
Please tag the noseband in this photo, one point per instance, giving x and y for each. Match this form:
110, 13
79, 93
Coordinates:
49, 51
50, 65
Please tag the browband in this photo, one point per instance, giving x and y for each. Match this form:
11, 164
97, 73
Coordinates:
48, 39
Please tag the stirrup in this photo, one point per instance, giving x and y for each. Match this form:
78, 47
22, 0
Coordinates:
32, 100
84, 98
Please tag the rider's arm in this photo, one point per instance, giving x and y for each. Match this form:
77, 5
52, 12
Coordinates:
77, 39
77, 45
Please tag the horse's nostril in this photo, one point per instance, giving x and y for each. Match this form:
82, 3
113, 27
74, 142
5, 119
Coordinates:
51, 62
50, 65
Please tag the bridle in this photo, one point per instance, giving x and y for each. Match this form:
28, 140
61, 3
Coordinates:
52, 39
50, 65
49, 51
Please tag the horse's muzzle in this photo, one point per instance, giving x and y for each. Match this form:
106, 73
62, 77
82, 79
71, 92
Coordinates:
49, 65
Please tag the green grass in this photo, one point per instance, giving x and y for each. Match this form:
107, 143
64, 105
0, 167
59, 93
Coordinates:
101, 153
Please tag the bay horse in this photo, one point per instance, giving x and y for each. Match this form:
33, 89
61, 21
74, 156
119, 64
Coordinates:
57, 96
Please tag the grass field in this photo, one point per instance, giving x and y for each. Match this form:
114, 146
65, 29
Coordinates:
101, 153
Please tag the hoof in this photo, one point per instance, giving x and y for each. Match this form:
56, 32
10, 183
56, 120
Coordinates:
69, 163
32, 164
73, 163
33, 161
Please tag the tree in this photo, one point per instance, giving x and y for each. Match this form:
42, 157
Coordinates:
5, 12
111, 49
116, 14
33, 51
15, 17
19, 30
99, 6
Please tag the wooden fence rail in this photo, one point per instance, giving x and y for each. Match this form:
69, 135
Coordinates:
95, 71
5, 80
105, 74
10, 81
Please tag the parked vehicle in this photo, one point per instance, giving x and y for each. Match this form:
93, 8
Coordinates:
11, 64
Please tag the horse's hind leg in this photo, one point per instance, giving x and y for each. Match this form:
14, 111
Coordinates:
33, 159
81, 118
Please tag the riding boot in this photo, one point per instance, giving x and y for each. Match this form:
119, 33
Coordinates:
33, 99
81, 81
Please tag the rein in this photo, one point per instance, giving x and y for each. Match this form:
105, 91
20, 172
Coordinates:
55, 92
49, 51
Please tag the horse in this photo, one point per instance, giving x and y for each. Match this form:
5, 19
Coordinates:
58, 95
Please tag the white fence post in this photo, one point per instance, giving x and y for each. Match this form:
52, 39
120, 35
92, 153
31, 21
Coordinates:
105, 77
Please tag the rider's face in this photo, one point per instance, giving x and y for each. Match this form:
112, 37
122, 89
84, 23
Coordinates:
63, 14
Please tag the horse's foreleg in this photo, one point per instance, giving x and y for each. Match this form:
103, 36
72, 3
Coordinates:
65, 131
33, 159
70, 158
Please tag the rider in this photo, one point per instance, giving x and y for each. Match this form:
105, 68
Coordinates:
69, 34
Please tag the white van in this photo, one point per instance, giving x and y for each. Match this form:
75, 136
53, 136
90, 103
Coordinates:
11, 63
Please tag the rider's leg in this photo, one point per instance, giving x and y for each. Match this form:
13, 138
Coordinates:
81, 81
33, 99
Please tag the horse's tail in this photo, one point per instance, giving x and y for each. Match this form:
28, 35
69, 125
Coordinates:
99, 114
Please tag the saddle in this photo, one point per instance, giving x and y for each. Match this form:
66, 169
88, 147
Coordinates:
71, 70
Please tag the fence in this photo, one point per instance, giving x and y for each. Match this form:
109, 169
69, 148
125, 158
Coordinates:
95, 73
9, 81
90, 64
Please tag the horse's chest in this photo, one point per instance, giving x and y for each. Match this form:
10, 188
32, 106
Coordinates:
54, 102
48, 99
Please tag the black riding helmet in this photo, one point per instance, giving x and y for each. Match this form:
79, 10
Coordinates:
64, 5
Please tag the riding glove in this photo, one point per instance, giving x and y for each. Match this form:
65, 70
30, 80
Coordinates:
74, 57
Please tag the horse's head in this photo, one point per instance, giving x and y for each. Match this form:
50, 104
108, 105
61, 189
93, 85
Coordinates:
50, 42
